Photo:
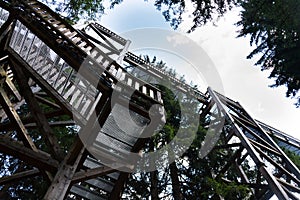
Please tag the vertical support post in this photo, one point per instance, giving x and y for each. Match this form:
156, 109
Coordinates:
123, 52
119, 186
63, 178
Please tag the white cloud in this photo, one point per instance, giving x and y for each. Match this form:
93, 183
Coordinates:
178, 39
241, 80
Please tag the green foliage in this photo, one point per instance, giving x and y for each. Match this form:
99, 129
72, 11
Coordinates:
274, 27
195, 179
30, 188
295, 158
228, 190
73, 10
203, 12
199, 179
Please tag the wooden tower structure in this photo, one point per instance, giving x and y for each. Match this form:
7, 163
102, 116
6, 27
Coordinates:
54, 77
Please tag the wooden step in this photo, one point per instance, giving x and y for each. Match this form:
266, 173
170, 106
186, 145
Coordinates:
54, 22
84, 192
76, 39
60, 26
71, 34
92, 163
101, 183
82, 44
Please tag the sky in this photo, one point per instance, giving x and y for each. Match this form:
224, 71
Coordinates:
242, 81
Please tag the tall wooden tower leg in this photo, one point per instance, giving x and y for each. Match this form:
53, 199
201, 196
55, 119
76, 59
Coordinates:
37, 113
63, 178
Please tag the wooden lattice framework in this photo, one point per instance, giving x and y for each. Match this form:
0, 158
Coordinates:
41, 56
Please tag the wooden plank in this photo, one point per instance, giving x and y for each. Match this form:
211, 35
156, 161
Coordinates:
12, 87
62, 180
15, 119
119, 186
11, 126
81, 191
47, 102
38, 159
56, 123
92, 173
18, 176
101, 183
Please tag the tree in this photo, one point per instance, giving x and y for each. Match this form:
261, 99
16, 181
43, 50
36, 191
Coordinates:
274, 27
295, 158
189, 176
172, 10
73, 10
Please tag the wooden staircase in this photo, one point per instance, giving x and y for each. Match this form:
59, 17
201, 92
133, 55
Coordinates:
81, 78
73, 69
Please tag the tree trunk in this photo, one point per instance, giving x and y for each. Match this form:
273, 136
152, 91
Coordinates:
153, 178
4, 192
175, 181
154, 185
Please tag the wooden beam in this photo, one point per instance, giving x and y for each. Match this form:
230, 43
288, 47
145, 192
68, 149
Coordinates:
47, 102
15, 119
74, 151
38, 158
18, 176
37, 112
290, 186
252, 185
62, 180
230, 162
18, 125
227, 146
289, 175
57, 123
61, 183
119, 186
13, 88
265, 148
92, 173
274, 184
244, 177
253, 133
8, 126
